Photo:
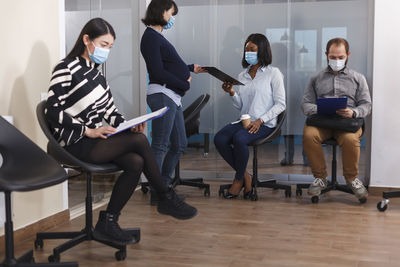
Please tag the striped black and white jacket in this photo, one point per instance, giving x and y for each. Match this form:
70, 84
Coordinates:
79, 97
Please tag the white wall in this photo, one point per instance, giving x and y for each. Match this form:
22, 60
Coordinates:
385, 148
30, 47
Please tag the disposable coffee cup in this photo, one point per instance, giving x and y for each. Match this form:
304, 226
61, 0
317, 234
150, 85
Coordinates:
245, 119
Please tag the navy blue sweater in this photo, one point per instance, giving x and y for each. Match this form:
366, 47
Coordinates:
164, 65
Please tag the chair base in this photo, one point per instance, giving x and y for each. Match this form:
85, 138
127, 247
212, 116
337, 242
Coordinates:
78, 237
27, 260
331, 187
195, 182
256, 183
85, 234
382, 205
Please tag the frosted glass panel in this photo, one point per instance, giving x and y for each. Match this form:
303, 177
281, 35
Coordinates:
212, 33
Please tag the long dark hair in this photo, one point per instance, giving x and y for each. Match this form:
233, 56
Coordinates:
264, 53
155, 11
94, 28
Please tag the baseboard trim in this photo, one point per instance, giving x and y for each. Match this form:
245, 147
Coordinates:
377, 191
40, 226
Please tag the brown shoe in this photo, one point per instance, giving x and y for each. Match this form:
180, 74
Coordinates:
235, 189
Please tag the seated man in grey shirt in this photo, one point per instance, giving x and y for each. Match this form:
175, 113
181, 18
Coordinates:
336, 80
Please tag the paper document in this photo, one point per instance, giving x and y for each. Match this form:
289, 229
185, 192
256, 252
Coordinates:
329, 105
138, 120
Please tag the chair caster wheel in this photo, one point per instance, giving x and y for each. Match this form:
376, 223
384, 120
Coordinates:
207, 192
288, 193
120, 255
38, 243
54, 258
314, 199
381, 207
299, 192
363, 200
254, 197
144, 189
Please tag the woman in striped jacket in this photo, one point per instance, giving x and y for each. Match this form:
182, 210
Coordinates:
79, 99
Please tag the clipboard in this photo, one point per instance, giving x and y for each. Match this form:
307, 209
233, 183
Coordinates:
138, 120
222, 76
329, 105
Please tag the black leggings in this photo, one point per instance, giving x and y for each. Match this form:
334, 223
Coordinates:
132, 153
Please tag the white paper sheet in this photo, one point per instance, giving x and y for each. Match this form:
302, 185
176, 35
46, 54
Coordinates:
138, 120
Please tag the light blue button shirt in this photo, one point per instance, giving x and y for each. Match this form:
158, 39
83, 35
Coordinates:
154, 88
262, 97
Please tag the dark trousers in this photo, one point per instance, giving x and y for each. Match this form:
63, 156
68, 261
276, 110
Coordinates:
231, 143
132, 153
169, 136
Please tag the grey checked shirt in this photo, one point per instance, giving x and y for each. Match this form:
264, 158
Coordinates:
348, 83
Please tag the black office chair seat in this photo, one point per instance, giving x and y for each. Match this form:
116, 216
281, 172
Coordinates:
68, 160
25, 168
255, 181
333, 184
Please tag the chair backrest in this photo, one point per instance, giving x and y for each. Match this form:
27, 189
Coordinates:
62, 155
275, 133
195, 108
192, 115
25, 166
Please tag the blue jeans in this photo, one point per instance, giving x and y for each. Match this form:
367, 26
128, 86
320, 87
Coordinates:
168, 134
231, 143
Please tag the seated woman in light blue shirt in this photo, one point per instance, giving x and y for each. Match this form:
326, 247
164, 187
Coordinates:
263, 98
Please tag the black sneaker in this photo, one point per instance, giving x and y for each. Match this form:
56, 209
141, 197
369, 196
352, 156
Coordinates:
107, 229
154, 198
171, 204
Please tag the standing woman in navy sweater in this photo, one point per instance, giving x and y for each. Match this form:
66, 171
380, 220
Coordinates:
169, 80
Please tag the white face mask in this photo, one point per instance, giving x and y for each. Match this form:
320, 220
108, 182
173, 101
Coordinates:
337, 65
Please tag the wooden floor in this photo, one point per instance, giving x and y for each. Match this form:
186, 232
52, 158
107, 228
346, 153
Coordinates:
193, 161
274, 231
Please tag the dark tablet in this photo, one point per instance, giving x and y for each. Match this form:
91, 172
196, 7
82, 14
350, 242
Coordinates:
222, 76
329, 105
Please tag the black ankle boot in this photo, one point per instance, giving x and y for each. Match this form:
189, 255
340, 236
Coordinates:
107, 229
171, 204
154, 198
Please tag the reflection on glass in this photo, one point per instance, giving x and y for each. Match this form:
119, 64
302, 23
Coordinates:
305, 50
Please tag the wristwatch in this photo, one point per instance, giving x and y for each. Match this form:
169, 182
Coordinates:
354, 114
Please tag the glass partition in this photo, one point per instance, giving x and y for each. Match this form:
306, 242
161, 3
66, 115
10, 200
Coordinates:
212, 33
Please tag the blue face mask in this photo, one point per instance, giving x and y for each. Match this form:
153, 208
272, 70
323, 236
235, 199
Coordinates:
251, 58
170, 23
99, 55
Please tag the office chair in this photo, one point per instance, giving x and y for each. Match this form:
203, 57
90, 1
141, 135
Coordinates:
192, 121
255, 181
25, 168
68, 160
333, 184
